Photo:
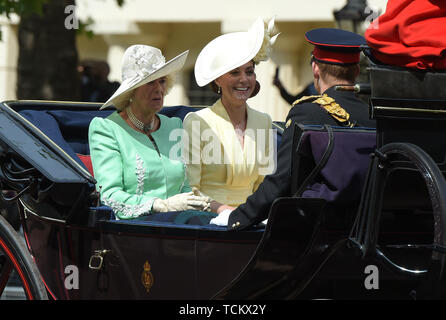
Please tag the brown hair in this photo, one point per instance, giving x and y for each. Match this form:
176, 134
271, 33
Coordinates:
214, 86
342, 72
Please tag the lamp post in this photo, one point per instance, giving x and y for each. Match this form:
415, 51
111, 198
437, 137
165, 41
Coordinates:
352, 15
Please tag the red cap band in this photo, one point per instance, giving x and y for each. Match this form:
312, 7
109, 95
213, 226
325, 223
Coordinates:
336, 56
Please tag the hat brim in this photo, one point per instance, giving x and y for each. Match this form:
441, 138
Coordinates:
239, 48
122, 94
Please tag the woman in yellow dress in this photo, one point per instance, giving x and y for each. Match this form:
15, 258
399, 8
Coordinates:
230, 147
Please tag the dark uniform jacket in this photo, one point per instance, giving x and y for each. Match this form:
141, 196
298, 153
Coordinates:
256, 207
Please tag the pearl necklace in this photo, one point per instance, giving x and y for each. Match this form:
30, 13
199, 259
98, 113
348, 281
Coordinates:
146, 128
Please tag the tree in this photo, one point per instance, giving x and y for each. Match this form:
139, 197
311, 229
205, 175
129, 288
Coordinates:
20, 7
48, 58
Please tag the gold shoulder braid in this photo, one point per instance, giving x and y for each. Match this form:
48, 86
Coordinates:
301, 100
335, 110
306, 99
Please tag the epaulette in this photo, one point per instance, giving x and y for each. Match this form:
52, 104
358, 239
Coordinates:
306, 99
334, 109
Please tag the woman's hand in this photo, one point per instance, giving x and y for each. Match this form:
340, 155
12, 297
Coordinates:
198, 193
182, 202
214, 206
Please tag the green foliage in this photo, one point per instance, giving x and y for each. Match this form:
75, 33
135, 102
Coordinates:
27, 7
21, 7
84, 28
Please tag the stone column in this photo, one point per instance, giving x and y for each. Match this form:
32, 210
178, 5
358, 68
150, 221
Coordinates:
114, 59
8, 62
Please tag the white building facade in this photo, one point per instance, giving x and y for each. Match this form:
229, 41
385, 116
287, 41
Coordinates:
178, 25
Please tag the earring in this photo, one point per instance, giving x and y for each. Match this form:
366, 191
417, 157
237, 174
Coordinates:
219, 90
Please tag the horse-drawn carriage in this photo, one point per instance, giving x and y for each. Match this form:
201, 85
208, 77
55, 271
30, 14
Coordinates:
386, 239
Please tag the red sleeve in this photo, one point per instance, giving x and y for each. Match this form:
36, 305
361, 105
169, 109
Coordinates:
411, 33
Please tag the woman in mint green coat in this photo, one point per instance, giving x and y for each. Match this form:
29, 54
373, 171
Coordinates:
137, 166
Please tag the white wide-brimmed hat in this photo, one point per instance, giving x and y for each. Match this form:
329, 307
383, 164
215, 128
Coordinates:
140, 65
232, 50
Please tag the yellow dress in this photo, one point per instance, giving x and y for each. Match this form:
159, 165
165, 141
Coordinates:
216, 162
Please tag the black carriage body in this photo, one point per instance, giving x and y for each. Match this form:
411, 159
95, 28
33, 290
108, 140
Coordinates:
135, 261
310, 248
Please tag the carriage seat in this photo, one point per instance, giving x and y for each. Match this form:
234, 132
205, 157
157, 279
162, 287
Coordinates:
392, 82
409, 106
396, 82
331, 165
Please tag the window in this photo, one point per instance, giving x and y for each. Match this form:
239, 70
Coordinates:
200, 96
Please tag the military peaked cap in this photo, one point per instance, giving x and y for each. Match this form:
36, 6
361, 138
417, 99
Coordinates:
335, 46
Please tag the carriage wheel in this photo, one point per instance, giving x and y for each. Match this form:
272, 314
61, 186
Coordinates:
366, 230
14, 256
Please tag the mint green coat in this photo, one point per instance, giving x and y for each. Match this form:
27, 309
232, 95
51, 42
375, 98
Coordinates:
129, 171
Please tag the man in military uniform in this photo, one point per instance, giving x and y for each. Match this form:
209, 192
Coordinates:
335, 61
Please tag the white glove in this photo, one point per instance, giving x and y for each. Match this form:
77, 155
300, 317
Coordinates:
181, 202
222, 218
208, 199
